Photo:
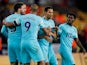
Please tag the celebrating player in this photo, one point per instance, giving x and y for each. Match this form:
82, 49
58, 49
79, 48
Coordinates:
68, 33
14, 34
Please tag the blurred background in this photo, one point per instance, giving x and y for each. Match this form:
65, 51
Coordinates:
61, 7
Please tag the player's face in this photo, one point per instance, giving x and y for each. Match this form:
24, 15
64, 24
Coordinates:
70, 19
23, 9
49, 13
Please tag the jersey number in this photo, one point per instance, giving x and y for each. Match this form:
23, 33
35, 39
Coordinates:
27, 25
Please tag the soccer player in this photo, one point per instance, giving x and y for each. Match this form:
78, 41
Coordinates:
14, 34
45, 41
68, 33
30, 24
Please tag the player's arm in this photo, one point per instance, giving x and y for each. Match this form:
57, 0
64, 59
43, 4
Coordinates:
8, 24
54, 32
41, 36
4, 31
78, 41
46, 37
45, 30
11, 24
79, 44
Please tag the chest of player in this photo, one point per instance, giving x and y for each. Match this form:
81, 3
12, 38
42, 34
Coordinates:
48, 24
68, 32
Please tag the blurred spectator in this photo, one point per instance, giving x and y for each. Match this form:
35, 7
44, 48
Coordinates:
43, 2
85, 37
4, 12
12, 1
27, 9
71, 2
85, 33
60, 18
36, 2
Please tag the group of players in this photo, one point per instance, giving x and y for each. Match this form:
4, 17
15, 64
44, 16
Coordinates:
30, 36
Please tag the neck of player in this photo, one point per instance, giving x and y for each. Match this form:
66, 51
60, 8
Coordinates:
46, 17
33, 12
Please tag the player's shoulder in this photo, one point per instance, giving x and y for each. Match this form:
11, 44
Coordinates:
74, 27
52, 21
21, 17
10, 16
30, 15
39, 17
61, 25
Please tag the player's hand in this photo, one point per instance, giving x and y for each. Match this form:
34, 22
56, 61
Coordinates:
48, 38
49, 28
56, 27
50, 34
3, 22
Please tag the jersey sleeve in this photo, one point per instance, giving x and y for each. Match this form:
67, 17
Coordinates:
7, 19
60, 29
42, 25
53, 24
17, 21
75, 34
4, 31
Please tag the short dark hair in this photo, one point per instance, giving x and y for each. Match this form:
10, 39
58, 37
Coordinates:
34, 7
73, 14
48, 7
17, 6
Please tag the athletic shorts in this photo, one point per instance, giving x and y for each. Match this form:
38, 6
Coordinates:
30, 49
14, 48
51, 55
67, 57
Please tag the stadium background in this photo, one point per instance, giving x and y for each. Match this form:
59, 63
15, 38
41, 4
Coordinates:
61, 7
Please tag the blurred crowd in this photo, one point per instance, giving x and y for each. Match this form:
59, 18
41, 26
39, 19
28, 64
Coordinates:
60, 10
